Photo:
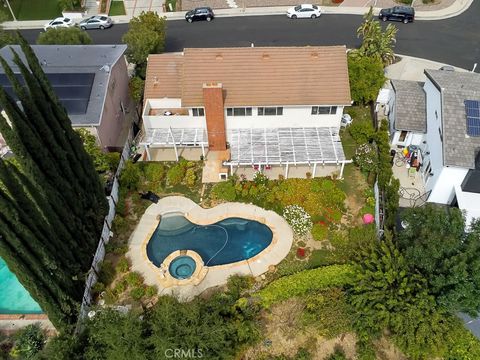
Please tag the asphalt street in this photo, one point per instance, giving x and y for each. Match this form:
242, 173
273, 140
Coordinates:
454, 41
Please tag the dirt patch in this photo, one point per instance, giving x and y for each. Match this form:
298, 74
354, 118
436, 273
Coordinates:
355, 200
385, 350
326, 347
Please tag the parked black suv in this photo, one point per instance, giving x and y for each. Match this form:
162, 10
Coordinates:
201, 13
404, 14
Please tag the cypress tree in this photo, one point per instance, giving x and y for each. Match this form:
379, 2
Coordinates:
52, 202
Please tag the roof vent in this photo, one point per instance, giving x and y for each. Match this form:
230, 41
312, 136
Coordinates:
105, 68
155, 81
44, 62
219, 57
314, 54
265, 56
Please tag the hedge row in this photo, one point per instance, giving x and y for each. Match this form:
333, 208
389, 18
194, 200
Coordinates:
304, 282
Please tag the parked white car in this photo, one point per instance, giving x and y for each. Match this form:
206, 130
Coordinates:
59, 22
304, 11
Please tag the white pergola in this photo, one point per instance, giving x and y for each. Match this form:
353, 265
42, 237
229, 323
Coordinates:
286, 146
172, 138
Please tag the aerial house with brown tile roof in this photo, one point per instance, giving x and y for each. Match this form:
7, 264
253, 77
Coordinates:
274, 109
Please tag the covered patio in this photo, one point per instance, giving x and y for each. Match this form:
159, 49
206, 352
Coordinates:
309, 148
179, 139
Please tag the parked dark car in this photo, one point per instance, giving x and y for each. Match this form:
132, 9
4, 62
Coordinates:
201, 13
404, 14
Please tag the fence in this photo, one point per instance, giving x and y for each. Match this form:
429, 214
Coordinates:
379, 209
92, 277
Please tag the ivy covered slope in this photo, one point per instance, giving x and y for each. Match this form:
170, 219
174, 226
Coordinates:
51, 201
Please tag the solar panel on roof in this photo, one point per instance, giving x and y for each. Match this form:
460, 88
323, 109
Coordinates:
472, 111
73, 90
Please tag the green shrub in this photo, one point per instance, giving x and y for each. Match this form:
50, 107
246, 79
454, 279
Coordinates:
137, 293
190, 177
122, 266
366, 157
130, 177
110, 297
134, 279
28, 342
329, 311
224, 190
120, 287
321, 257
298, 219
106, 273
154, 172
97, 288
305, 282
361, 131
319, 232
176, 174
151, 291
112, 158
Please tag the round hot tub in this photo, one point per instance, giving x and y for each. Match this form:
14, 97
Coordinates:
182, 267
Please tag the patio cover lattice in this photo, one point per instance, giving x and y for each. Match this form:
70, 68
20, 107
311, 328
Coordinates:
312, 145
168, 137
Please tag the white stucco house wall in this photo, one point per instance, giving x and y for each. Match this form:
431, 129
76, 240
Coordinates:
451, 146
262, 107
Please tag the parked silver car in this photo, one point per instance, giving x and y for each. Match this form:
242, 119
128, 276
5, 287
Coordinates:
96, 22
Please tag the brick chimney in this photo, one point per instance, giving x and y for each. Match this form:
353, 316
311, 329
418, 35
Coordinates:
214, 113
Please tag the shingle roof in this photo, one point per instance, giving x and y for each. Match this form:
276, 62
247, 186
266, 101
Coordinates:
76, 59
255, 76
459, 149
410, 108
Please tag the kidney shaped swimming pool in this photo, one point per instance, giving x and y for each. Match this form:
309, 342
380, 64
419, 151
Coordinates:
225, 242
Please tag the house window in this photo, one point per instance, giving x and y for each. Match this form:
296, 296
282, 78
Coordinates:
198, 112
324, 110
240, 111
403, 136
268, 111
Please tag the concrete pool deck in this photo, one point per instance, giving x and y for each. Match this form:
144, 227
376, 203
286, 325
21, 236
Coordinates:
278, 249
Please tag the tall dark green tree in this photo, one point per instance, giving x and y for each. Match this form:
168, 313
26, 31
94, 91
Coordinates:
387, 294
52, 203
436, 245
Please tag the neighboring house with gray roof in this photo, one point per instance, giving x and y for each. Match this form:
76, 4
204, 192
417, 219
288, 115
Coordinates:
451, 159
91, 82
408, 118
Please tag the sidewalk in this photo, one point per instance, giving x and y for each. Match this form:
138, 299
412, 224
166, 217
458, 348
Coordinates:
456, 8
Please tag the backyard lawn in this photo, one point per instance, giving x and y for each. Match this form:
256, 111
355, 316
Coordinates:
117, 8
35, 9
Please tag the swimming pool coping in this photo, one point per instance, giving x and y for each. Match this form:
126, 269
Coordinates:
276, 251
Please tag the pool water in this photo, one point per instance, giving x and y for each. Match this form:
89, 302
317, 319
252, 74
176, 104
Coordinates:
225, 242
14, 299
182, 267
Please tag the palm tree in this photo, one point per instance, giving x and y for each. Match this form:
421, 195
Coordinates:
375, 41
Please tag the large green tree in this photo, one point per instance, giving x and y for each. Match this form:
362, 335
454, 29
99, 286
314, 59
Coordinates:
64, 36
366, 77
386, 294
375, 41
146, 35
436, 245
52, 203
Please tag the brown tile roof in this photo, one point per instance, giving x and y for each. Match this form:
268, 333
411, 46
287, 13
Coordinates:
163, 77
316, 75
